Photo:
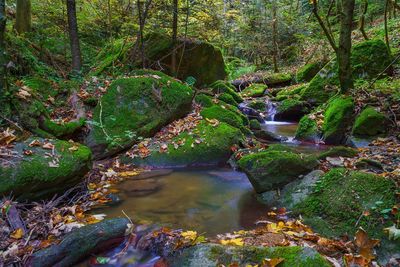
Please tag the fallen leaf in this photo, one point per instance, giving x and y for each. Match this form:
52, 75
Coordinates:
232, 242
17, 234
272, 262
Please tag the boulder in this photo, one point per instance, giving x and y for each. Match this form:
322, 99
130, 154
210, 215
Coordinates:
200, 60
308, 71
271, 170
220, 87
368, 59
255, 124
307, 130
206, 145
35, 172
269, 136
338, 120
254, 90
136, 107
291, 110
211, 255
259, 105
82, 243
225, 113
370, 123
269, 79
339, 151
227, 98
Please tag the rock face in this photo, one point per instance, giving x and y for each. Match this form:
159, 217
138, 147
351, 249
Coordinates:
210, 255
291, 110
273, 169
370, 122
196, 59
42, 173
339, 199
136, 107
368, 59
338, 120
81, 243
208, 145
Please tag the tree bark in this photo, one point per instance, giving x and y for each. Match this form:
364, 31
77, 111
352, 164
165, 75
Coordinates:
362, 19
23, 17
275, 36
174, 36
3, 20
74, 36
387, 2
344, 51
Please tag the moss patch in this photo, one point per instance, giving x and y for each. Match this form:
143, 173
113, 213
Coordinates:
339, 151
254, 90
227, 98
370, 122
291, 109
220, 87
223, 115
341, 197
62, 129
307, 130
308, 71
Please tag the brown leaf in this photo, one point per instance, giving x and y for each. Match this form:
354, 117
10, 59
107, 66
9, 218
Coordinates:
365, 244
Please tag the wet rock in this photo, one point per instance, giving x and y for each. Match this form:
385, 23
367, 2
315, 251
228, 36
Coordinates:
335, 162
80, 243
291, 110
269, 136
369, 164
273, 169
252, 113
307, 130
43, 172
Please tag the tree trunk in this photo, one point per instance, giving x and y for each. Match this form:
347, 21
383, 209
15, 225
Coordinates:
344, 51
2, 47
23, 16
73, 36
362, 19
174, 37
275, 36
386, 24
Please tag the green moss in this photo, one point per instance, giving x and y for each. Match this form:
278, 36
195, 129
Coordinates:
339, 151
274, 79
223, 114
204, 100
338, 118
41, 86
258, 105
33, 176
370, 122
308, 71
254, 90
220, 87
134, 107
292, 92
255, 124
62, 129
206, 145
227, 98
368, 59
272, 169
291, 109
341, 196
307, 129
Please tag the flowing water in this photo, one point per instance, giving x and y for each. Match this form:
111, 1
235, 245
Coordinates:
208, 201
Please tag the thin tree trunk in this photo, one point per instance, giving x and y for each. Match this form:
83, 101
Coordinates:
3, 20
362, 19
328, 34
344, 51
386, 24
109, 18
142, 14
23, 16
73, 36
275, 36
174, 36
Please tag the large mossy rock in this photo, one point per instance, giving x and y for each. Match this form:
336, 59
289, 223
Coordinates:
307, 130
254, 90
340, 198
370, 123
273, 169
205, 145
82, 243
195, 58
220, 87
308, 71
226, 114
211, 255
41, 174
338, 120
291, 110
368, 59
136, 107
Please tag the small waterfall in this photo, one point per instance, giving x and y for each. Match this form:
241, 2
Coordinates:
271, 108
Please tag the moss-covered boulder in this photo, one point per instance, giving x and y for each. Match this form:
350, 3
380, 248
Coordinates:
370, 123
227, 98
259, 105
308, 71
40, 172
339, 117
204, 100
220, 87
211, 255
61, 129
254, 90
291, 110
224, 114
290, 92
136, 107
273, 169
339, 151
266, 78
368, 59
307, 130
254, 124
195, 58
206, 145
341, 197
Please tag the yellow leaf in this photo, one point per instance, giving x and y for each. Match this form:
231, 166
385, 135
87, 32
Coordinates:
128, 174
17, 234
190, 235
272, 262
233, 242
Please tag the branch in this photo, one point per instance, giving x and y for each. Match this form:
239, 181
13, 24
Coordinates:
324, 28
